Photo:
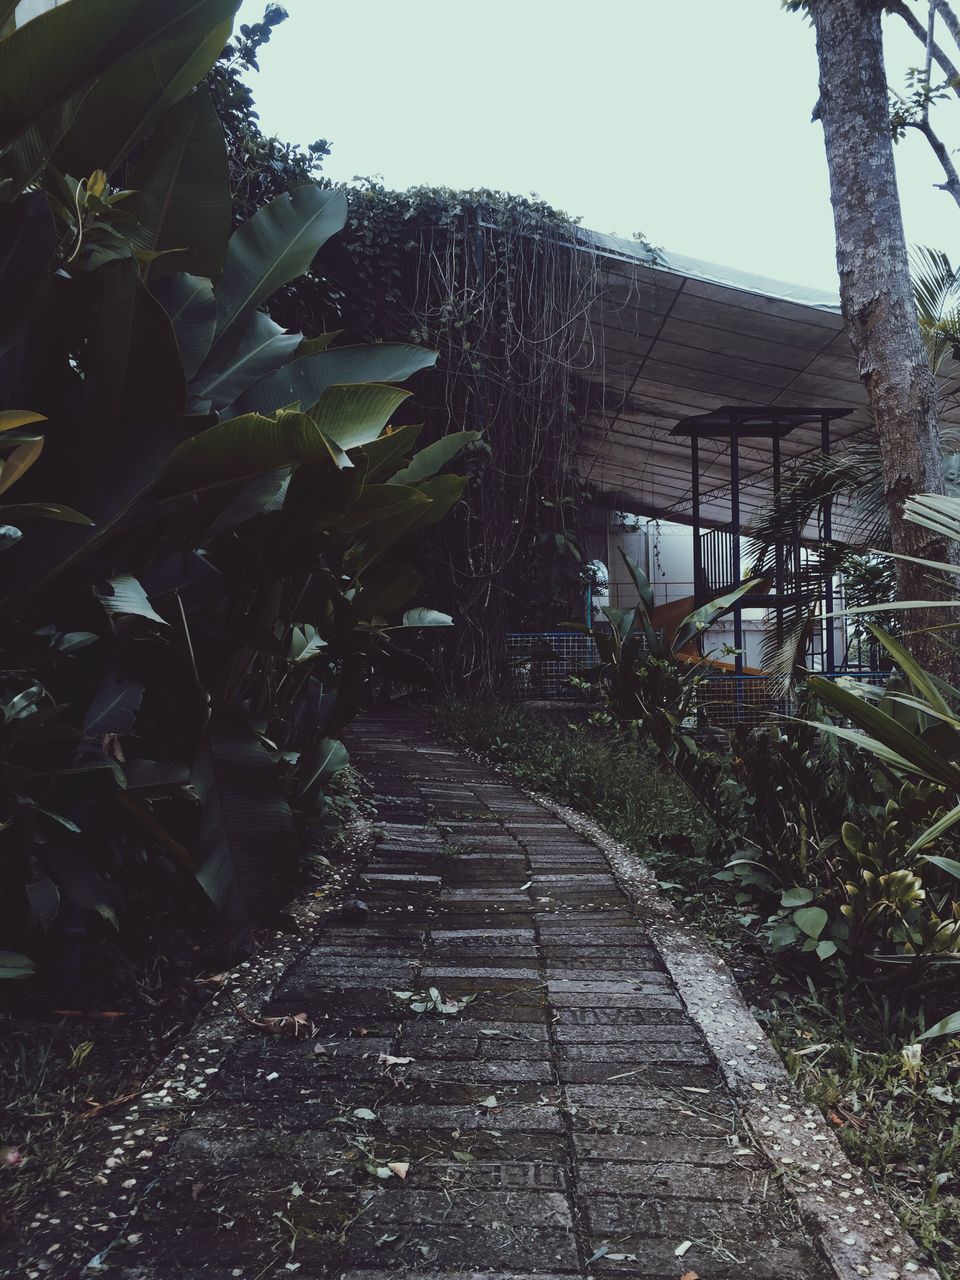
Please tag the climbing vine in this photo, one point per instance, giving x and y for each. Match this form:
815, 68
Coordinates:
500, 287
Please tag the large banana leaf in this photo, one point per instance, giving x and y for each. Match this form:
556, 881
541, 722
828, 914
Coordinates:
273, 247
304, 381
28, 241
133, 97
640, 581
132, 369
246, 447
387, 450
107, 492
190, 304
429, 461
380, 503
443, 493
248, 839
262, 346
62, 52
698, 621
355, 415
182, 185
386, 588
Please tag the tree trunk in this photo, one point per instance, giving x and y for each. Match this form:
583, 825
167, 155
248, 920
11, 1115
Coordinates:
876, 293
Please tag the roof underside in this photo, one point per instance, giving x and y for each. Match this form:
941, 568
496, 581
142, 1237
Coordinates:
679, 338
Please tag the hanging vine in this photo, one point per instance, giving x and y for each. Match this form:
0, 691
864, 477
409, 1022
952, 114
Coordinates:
501, 288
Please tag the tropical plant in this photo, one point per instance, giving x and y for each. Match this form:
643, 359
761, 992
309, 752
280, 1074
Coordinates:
648, 674
907, 881
179, 660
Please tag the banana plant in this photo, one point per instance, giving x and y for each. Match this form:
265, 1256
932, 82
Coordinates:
201, 634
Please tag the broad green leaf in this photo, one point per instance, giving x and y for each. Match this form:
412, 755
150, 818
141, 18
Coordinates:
245, 447
11, 419
796, 897
430, 460
44, 898
190, 304
182, 199
811, 920
950, 865
380, 537
702, 618
382, 503
330, 757
426, 618
14, 966
640, 580
385, 452
272, 248
443, 492
114, 706
28, 242
19, 462
261, 346
906, 749
826, 949
304, 381
132, 369
263, 494
310, 346
386, 588
63, 51
248, 837
123, 594
108, 494
135, 94
7, 9
44, 511
945, 1027
922, 683
356, 415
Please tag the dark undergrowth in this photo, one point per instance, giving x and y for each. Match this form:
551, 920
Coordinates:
896, 1107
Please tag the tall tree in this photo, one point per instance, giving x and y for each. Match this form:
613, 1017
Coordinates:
875, 288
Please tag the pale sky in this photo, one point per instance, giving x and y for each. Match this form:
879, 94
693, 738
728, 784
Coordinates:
688, 120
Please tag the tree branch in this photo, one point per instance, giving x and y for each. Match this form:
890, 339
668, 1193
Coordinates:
928, 56
942, 60
950, 20
952, 184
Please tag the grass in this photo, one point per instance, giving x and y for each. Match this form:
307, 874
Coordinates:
57, 1081
898, 1118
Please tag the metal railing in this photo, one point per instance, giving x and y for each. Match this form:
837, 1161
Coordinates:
536, 674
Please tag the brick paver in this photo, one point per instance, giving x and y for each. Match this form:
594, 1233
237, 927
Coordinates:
567, 1121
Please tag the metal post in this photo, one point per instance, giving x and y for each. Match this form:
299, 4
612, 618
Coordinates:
829, 651
695, 494
735, 548
778, 561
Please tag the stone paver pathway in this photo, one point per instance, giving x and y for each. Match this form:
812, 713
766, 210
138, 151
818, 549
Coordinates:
567, 1120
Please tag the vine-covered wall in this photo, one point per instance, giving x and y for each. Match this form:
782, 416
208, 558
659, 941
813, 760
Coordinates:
497, 285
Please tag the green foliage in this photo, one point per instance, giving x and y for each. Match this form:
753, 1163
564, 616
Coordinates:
188, 632
599, 773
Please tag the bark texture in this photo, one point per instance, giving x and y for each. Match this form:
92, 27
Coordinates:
876, 292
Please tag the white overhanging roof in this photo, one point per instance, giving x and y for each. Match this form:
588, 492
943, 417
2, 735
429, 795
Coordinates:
670, 337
